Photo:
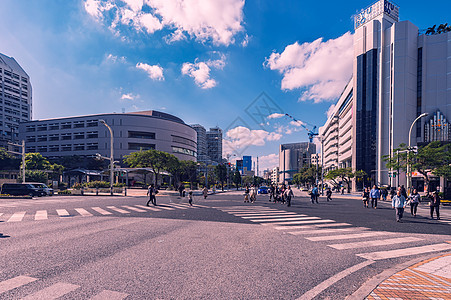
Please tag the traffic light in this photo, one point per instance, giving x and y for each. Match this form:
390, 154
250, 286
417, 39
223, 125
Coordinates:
415, 149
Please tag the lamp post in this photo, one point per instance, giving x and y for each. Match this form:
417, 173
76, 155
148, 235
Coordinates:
409, 175
111, 155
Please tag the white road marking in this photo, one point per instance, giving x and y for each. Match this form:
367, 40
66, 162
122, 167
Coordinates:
375, 243
275, 214
52, 292
17, 217
15, 282
247, 212
260, 216
332, 280
165, 207
294, 218
119, 210
324, 231
177, 206
83, 212
348, 236
133, 208
405, 251
62, 212
109, 295
1, 214
101, 211
41, 215
301, 222
316, 226
148, 207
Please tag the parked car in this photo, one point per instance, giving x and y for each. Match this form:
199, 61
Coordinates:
21, 189
43, 188
263, 190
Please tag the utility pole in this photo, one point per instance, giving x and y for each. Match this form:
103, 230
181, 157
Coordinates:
22, 153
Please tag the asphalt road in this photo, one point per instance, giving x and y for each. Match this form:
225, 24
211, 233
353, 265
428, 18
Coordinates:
70, 247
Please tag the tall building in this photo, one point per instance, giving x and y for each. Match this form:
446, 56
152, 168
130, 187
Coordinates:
293, 157
399, 73
247, 163
214, 144
86, 135
201, 143
239, 166
15, 98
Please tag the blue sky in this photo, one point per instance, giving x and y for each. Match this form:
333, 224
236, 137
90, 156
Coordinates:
203, 61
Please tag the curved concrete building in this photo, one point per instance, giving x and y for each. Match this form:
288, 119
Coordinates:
86, 135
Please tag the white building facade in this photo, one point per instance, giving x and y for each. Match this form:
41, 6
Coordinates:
398, 74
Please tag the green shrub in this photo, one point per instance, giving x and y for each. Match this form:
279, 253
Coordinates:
98, 184
64, 192
119, 185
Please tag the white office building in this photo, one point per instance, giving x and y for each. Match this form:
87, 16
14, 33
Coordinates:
15, 98
292, 158
398, 74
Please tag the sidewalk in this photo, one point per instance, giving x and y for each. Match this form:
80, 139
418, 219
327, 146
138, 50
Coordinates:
429, 279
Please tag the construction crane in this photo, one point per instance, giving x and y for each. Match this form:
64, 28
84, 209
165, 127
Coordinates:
310, 132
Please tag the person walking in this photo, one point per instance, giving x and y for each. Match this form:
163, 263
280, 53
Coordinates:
288, 195
434, 204
392, 193
152, 192
384, 194
253, 194
246, 194
365, 197
403, 191
271, 193
190, 198
181, 189
315, 194
205, 192
329, 194
398, 203
414, 200
375, 194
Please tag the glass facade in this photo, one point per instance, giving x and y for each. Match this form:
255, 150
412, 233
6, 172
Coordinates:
366, 114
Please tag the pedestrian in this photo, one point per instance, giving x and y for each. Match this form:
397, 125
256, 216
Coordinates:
253, 194
152, 192
414, 200
365, 197
384, 194
375, 194
343, 190
392, 193
288, 195
246, 194
205, 192
190, 198
398, 203
282, 194
315, 194
434, 204
329, 194
271, 193
181, 189
277, 194
403, 191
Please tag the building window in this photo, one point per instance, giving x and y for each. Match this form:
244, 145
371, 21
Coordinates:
53, 137
66, 148
437, 128
183, 151
42, 149
31, 149
79, 147
66, 136
92, 135
42, 138
141, 135
31, 139
140, 146
54, 148
182, 140
79, 135
42, 127
54, 126
92, 146
79, 124
66, 125
419, 88
92, 123
31, 128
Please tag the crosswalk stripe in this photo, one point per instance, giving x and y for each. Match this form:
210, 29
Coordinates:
296, 218
148, 207
187, 205
52, 292
177, 206
17, 217
83, 212
307, 231
62, 212
15, 282
119, 210
374, 243
405, 251
101, 211
315, 226
301, 222
110, 295
1, 214
348, 236
199, 205
166, 207
275, 214
41, 215
133, 208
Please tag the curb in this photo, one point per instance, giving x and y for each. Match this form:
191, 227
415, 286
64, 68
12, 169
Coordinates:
366, 289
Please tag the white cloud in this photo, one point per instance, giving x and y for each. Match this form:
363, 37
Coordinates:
330, 111
275, 116
297, 123
241, 137
114, 58
204, 20
321, 68
155, 72
200, 71
129, 96
267, 162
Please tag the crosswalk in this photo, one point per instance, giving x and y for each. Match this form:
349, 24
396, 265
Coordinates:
340, 236
53, 291
41, 215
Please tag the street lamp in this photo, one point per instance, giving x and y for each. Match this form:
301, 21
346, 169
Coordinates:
111, 155
409, 175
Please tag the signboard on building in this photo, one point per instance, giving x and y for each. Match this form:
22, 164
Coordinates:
381, 7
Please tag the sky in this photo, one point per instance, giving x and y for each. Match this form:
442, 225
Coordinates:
240, 65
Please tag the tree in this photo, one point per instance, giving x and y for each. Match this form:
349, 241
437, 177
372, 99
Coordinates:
154, 159
398, 160
221, 174
345, 174
189, 171
8, 161
35, 176
35, 161
236, 178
